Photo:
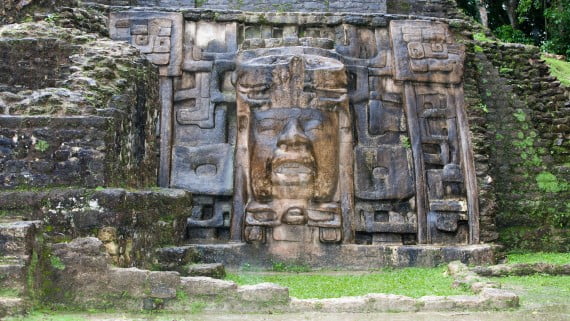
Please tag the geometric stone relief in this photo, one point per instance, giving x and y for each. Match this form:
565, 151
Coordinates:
158, 35
297, 136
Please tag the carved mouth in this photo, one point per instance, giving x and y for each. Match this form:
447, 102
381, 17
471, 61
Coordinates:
292, 167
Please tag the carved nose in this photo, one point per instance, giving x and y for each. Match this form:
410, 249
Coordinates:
293, 135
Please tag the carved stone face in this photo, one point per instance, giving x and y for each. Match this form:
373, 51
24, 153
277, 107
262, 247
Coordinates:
294, 154
291, 103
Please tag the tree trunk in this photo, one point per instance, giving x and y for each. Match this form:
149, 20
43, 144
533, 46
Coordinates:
511, 6
481, 6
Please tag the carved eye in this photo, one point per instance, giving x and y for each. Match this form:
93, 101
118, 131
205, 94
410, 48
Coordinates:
313, 125
268, 125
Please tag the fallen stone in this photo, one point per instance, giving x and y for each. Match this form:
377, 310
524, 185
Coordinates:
207, 286
213, 270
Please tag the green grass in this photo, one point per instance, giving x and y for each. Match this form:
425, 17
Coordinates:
413, 282
9, 293
553, 258
539, 290
560, 69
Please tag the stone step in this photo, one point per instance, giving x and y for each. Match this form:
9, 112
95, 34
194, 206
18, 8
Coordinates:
12, 306
213, 270
16, 238
176, 258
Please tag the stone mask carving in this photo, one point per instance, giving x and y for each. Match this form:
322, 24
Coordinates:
293, 102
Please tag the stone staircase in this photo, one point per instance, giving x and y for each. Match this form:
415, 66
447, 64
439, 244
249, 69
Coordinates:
17, 239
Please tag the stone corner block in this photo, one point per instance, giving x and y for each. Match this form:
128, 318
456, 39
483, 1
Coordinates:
264, 293
202, 285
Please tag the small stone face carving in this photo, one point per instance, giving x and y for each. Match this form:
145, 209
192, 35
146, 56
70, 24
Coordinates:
292, 101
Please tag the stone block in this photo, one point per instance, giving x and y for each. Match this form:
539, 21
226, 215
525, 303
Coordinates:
131, 281
12, 276
465, 302
207, 286
499, 299
391, 303
11, 306
213, 270
163, 285
264, 293
16, 237
436, 303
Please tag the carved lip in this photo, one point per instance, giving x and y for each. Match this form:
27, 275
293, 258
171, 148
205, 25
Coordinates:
293, 168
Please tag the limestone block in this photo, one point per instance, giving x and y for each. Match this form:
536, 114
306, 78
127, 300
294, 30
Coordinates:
16, 237
213, 270
424, 51
156, 34
391, 303
499, 299
436, 303
163, 285
200, 285
11, 306
133, 281
264, 292
465, 302
205, 169
336, 305
383, 172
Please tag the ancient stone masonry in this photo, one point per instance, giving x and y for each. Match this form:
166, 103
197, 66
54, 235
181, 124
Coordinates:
302, 132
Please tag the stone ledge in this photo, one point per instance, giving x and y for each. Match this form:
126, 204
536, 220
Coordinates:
90, 283
349, 255
521, 269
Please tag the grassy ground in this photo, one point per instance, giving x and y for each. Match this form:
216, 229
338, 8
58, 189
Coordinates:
413, 282
540, 291
560, 69
554, 258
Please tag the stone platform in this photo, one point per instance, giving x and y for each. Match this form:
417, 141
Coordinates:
235, 255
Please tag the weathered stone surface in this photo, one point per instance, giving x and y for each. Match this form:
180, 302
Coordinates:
207, 286
213, 270
295, 78
16, 238
12, 276
163, 285
354, 255
131, 280
522, 269
436, 303
499, 299
391, 303
264, 292
12, 307
94, 126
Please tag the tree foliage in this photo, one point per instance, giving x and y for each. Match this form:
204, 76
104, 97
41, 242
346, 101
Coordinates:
545, 23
